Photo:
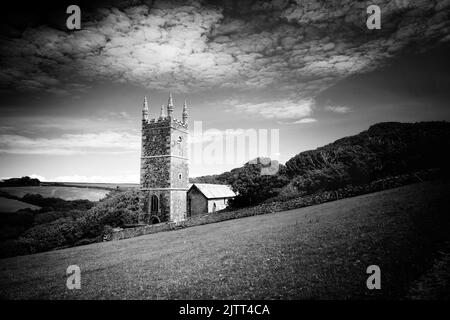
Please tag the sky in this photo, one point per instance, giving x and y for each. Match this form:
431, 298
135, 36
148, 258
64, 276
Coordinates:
71, 100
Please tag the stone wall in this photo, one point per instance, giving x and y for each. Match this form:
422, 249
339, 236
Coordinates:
155, 172
139, 231
179, 167
155, 139
179, 138
178, 205
199, 203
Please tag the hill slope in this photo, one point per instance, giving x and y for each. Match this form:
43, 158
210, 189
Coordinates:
316, 252
384, 150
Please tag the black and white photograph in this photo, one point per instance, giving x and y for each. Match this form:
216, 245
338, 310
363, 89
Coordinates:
225, 150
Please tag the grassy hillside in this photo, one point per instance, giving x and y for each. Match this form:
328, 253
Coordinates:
315, 252
384, 149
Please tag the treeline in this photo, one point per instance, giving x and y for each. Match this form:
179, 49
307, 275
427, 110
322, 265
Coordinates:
385, 149
12, 224
20, 182
50, 204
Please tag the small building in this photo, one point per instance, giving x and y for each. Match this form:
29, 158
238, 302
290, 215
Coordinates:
206, 198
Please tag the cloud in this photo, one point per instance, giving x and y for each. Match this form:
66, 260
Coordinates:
274, 110
305, 120
296, 46
36, 176
127, 178
68, 144
42, 124
338, 109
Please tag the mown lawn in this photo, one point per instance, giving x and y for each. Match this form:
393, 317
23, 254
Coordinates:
318, 252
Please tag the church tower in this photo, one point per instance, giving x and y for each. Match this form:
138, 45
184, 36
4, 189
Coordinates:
164, 165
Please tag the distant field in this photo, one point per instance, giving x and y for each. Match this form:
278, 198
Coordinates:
66, 193
309, 253
106, 186
12, 205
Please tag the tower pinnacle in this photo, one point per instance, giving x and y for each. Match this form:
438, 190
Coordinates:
170, 106
145, 109
185, 113
162, 115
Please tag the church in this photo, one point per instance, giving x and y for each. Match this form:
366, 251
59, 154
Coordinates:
164, 176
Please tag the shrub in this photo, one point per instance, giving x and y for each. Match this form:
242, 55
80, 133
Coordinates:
47, 217
20, 182
14, 247
61, 232
12, 224
61, 228
52, 204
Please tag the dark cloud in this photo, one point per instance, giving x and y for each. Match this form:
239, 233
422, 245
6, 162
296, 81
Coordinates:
301, 46
420, 79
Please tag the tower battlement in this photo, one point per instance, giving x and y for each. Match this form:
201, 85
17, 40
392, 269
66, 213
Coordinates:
164, 119
161, 122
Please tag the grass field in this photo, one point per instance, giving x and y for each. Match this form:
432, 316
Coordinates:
12, 205
66, 193
310, 253
106, 186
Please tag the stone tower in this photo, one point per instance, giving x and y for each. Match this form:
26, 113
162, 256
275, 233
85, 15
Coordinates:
164, 166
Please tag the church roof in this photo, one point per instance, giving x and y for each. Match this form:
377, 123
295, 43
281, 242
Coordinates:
214, 191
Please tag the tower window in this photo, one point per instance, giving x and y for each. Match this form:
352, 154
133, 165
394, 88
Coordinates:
154, 204
179, 176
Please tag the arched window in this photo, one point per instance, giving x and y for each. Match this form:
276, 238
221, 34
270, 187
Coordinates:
154, 204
